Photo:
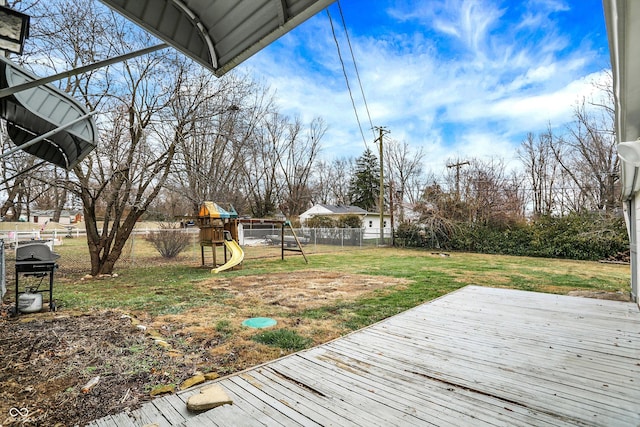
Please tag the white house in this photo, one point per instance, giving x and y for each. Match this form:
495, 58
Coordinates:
331, 211
370, 220
45, 216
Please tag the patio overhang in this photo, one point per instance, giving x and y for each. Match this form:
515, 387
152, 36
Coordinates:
218, 34
623, 30
44, 121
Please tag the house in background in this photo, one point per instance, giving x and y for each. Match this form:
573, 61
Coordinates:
43, 217
370, 220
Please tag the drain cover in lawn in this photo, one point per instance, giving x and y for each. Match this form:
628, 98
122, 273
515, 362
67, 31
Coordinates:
259, 322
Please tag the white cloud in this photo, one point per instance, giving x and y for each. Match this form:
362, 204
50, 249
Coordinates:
483, 80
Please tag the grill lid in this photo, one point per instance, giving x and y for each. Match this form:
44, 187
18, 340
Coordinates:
35, 252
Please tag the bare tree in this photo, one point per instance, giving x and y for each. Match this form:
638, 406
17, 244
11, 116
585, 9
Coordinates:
209, 162
260, 164
491, 195
404, 170
118, 182
331, 181
297, 159
16, 181
587, 153
121, 178
322, 183
541, 168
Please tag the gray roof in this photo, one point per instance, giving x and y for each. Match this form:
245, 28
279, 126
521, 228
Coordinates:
218, 34
345, 209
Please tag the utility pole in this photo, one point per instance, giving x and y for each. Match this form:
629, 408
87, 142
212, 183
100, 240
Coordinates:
457, 166
391, 210
382, 131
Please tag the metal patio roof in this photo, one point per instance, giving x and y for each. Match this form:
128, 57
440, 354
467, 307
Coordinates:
623, 29
219, 34
68, 133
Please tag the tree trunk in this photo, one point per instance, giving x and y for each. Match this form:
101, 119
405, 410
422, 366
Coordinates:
105, 251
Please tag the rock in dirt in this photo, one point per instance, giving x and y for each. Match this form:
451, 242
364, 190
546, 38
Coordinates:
190, 382
163, 389
211, 376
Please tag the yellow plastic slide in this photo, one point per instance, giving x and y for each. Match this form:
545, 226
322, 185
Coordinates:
237, 255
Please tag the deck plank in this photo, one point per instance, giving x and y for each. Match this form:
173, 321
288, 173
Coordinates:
492, 378
313, 407
478, 356
121, 420
442, 399
531, 357
255, 407
354, 407
373, 409
172, 416
250, 385
415, 401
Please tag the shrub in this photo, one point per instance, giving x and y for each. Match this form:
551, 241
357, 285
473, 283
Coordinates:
586, 236
409, 235
320, 221
169, 240
349, 221
431, 232
583, 236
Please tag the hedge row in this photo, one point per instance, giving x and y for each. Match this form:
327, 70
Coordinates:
576, 236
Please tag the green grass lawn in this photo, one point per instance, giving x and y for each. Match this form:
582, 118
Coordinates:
174, 288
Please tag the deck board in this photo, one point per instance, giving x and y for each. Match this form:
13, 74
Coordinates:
314, 407
478, 356
448, 405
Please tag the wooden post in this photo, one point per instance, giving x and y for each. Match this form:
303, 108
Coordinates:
298, 242
381, 192
382, 131
282, 240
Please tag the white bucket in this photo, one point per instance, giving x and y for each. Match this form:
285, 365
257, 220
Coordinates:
29, 302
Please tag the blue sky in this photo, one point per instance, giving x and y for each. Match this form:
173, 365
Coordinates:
460, 78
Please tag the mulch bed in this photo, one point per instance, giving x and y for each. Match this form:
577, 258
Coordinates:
47, 359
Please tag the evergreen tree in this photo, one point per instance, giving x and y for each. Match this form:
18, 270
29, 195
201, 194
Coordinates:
364, 188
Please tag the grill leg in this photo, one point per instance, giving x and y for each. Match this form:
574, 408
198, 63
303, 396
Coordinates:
16, 308
52, 306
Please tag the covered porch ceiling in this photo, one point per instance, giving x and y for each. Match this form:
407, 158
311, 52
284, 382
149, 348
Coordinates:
219, 34
623, 29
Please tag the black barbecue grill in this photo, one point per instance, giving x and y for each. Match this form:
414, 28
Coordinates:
35, 259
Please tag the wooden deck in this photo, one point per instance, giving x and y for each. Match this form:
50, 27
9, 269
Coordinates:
478, 356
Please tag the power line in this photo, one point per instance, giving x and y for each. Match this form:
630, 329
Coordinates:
355, 66
346, 78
